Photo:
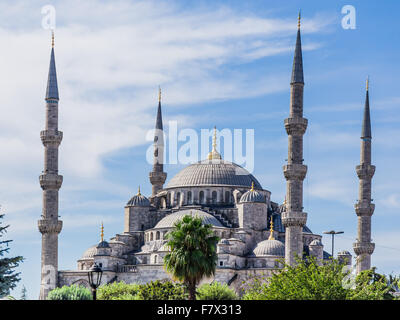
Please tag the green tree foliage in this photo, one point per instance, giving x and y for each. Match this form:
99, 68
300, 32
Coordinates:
370, 285
310, 281
118, 291
215, 291
23, 293
8, 276
161, 290
193, 252
70, 293
305, 281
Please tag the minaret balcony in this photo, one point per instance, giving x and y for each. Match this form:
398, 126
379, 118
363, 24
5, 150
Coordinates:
50, 181
51, 137
50, 226
295, 171
364, 208
365, 171
294, 218
296, 126
157, 177
363, 248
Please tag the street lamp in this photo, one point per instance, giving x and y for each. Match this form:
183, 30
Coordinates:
332, 232
94, 276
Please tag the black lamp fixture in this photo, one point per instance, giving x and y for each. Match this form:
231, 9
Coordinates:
94, 276
333, 233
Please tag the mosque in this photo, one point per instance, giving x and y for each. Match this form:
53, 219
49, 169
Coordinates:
256, 233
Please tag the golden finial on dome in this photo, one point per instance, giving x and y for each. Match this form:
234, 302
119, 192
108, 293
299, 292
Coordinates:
138, 193
298, 20
159, 94
214, 154
271, 230
102, 232
52, 38
252, 186
367, 83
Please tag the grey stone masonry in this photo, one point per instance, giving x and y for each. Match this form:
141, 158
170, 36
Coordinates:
50, 181
363, 247
293, 218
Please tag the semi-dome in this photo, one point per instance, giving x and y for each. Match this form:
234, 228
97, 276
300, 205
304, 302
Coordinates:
213, 172
139, 200
252, 196
169, 220
269, 248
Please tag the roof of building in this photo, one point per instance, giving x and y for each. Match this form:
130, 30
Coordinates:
103, 244
169, 220
90, 252
316, 242
213, 172
269, 248
139, 200
252, 196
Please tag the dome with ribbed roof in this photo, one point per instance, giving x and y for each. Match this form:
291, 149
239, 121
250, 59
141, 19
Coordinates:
139, 200
252, 196
316, 242
89, 253
269, 248
169, 220
213, 172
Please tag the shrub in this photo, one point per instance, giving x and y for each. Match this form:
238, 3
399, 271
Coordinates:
118, 291
215, 291
161, 290
70, 293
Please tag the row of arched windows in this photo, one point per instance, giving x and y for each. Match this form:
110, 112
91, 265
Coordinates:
180, 198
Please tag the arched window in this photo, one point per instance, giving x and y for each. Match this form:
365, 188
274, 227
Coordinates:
201, 197
158, 235
214, 197
151, 236
227, 197
155, 259
178, 198
189, 197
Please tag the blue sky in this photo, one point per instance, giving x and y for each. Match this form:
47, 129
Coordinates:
222, 63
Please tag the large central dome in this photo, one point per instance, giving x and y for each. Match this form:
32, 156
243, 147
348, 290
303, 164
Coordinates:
213, 172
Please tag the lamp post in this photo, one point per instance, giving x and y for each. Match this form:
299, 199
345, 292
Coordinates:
333, 233
94, 276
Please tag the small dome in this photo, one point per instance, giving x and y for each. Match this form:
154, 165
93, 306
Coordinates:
252, 196
316, 242
139, 200
103, 244
269, 248
344, 253
89, 253
169, 220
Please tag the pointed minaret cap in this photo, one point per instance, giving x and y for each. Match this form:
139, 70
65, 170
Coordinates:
159, 124
297, 70
366, 126
52, 87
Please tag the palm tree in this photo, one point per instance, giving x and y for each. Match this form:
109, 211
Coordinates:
193, 252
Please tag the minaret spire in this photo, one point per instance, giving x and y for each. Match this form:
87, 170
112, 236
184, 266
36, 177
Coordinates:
363, 247
50, 181
293, 218
157, 175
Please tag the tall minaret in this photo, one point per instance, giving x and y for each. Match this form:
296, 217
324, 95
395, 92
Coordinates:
293, 218
363, 247
157, 175
50, 181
